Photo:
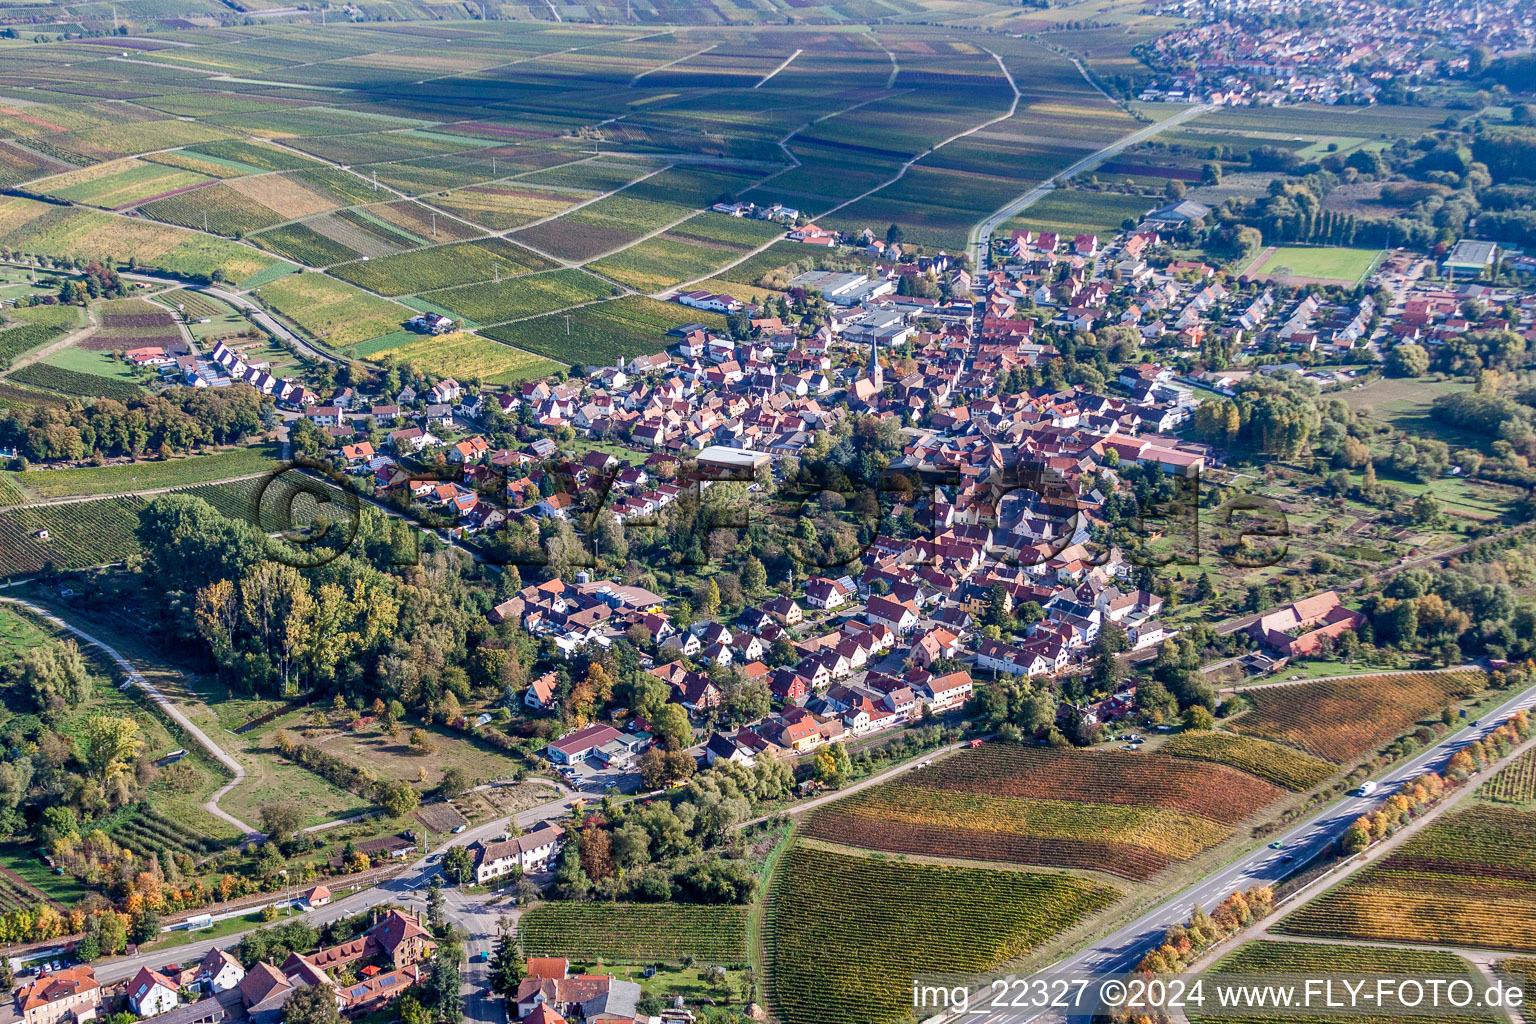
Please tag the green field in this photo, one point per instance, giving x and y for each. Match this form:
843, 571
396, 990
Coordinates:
1331, 264
333, 311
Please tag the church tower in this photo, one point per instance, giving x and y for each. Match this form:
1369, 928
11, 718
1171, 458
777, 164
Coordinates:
876, 373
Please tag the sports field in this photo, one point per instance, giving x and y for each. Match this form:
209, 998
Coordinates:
1323, 264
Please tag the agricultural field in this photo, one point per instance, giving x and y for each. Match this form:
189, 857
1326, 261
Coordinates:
1281, 765
1077, 211
218, 208
147, 831
133, 323
195, 305
69, 232
1302, 959
143, 476
776, 265
79, 534
663, 261
76, 384
636, 932
1514, 784
1342, 719
443, 267
111, 142
1129, 814
120, 183
507, 205
740, 233
846, 935
251, 157
300, 242
1468, 879
416, 223
598, 334
333, 311
18, 164
1322, 121
469, 355
497, 302
1307, 264
610, 223
595, 175
15, 341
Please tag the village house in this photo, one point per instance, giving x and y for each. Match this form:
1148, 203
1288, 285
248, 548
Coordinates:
527, 853
67, 995
151, 993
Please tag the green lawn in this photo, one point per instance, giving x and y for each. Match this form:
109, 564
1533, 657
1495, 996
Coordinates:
1323, 263
84, 360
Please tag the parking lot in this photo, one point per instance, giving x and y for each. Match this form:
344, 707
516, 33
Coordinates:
590, 777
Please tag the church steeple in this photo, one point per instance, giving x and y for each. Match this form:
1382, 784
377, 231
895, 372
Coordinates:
876, 373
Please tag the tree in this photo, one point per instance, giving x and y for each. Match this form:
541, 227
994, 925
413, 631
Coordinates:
280, 821
893, 235
53, 676
754, 578
507, 964
1199, 718
570, 880
671, 727
145, 925
455, 783
596, 853
1356, 838
1407, 360
441, 990
399, 798
833, 766
111, 746
312, 1004
1175, 190
435, 917
458, 867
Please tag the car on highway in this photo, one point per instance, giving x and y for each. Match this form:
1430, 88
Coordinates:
1276, 845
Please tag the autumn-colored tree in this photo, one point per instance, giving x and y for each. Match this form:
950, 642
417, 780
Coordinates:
596, 852
111, 746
